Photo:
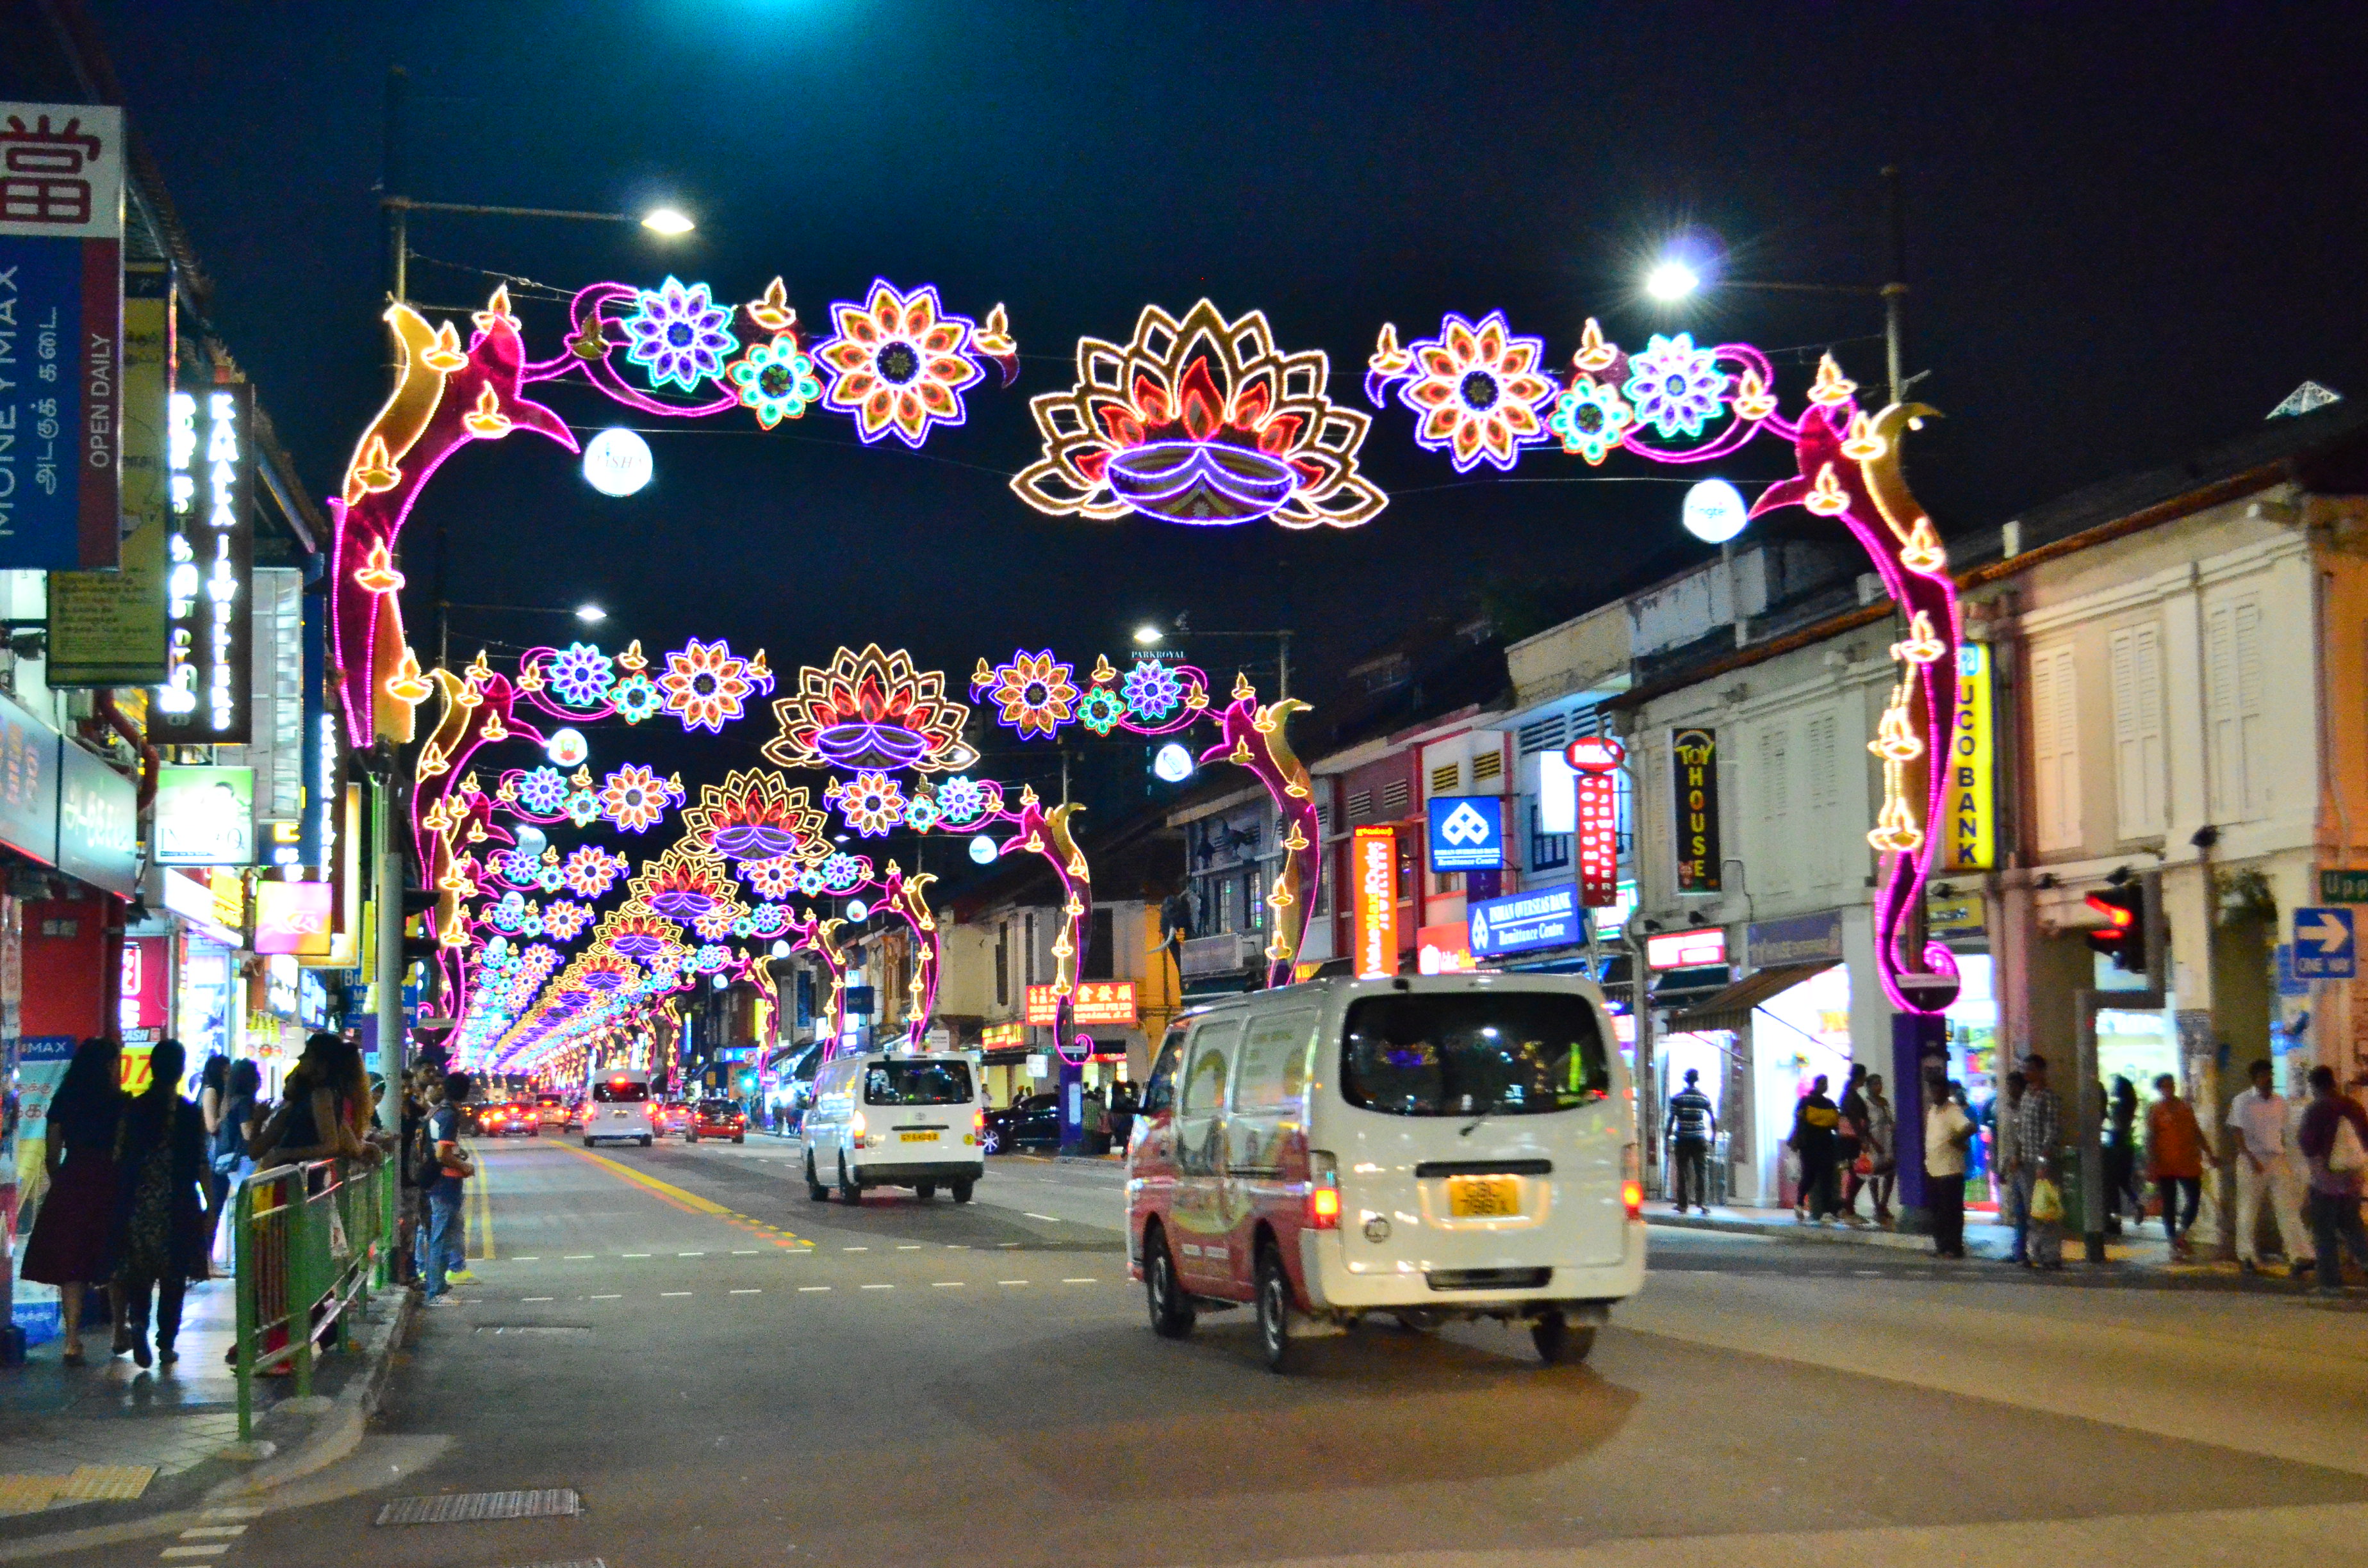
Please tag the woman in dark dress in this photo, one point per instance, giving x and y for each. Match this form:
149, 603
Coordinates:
164, 1221
68, 1247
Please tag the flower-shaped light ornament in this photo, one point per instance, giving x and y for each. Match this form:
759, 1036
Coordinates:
507, 912
1591, 418
550, 879
680, 335
1674, 386
714, 925
711, 957
767, 920
871, 803
517, 866
1477, 387
592, 871
1200, 420
959, 800
705, 686
564, 920
1100, 709
920, 812
776, 877
899, 363
775, 378
583, 808
841, 872
1034, 691
1152, 692
542, 791
580, 674
811, 882
637, 699
869, 709
635, 798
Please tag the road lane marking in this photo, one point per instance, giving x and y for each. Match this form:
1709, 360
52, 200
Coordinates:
633, 1255
908, 1246
880, 1286
1080, 1281
579, 1257
665, 1293
810, 1290
604, 1298
751, 1291
855, 1249
536, 1258
479, 1195
690, 1255
537, 1298
237, 1513
749, 1251
1056, 1219
194, 1551
1011, 1281
946, 1285
214, 1532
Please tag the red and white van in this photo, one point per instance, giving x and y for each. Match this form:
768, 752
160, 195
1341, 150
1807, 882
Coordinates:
1434, 1147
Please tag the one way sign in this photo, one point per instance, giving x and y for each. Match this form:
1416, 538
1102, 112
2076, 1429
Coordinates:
2322, 945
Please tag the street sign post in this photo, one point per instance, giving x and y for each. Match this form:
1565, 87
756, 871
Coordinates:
2323, 947
2343, 884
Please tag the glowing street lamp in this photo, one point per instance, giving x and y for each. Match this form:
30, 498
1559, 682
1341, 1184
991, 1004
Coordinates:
666, 220
1148, 635
590, 615
1671, 281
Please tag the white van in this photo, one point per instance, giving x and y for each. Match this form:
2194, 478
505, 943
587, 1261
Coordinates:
1435, 1147
617, 1107
894, 1120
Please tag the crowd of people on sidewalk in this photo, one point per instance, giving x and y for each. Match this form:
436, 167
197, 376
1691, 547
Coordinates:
138, 1185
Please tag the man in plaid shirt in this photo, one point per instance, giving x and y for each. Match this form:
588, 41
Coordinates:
2038, 1152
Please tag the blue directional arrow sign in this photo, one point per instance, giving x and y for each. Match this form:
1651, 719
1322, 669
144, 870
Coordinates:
2323, 947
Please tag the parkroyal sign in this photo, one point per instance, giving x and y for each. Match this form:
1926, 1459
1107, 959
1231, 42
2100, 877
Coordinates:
1373, 879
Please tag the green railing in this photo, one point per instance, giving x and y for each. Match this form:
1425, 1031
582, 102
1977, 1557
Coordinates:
310, 1240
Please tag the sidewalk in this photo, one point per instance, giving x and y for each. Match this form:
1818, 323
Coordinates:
112, 1446
1983, 1239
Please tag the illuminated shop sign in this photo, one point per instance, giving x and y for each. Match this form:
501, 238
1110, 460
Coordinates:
1595, 761
1373, 879
1971, 841
209, 479
1694, 753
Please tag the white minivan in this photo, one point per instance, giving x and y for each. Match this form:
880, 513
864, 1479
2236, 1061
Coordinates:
617, 1108
1446, 1146
894, 1120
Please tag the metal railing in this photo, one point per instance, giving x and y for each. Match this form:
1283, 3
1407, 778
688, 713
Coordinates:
310, 1240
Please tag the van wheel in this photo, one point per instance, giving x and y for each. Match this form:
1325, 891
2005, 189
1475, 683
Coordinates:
1558, 1344
587, 1143
925, 1190
815, 1191
645, 1140
739, 1138
847, 1191
1274, 1313
962, 1192
1171, 1310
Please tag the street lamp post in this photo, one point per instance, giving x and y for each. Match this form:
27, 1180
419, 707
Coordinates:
1149, 635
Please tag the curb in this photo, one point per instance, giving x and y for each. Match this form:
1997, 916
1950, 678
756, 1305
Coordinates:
333, 1438
1831, 1235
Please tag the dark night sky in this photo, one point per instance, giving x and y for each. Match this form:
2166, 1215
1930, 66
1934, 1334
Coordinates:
2133, 229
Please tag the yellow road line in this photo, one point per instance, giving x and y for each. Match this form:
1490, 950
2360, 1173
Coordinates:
667, 1192
480, 1217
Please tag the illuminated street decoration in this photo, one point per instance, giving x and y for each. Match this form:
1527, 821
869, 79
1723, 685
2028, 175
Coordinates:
1200, 420
770, 879
681, 883
899, 363
706, 687
580, 675
1673, 386
1033, 690
1477, 387
757, 816
775, 379
1591, 418
591, 871
680, 335
871, 802
869, 709
634, 798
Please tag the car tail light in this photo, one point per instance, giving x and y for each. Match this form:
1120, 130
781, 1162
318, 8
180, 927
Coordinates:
1323, 1192
1632, 1185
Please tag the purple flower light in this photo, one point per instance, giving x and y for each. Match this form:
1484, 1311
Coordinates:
680, 335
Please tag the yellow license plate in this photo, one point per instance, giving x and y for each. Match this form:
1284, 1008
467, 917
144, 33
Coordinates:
918, 1137
1484, 1197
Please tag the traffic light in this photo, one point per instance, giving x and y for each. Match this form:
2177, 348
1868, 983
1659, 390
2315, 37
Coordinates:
418, 945
2123, 936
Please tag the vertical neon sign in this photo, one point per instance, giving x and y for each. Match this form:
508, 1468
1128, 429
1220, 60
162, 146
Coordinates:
1595, 763
211, 556
1374, 860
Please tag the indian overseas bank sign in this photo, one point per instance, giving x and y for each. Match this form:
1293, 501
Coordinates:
1523, 922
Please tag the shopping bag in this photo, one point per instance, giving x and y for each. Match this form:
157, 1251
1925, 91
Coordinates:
2345, 1154
2047, 1201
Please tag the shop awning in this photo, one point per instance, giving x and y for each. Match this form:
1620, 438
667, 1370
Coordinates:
1731, 1008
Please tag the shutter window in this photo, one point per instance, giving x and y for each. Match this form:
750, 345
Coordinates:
1544, 735
1445, 778
2240, 785
1361, 804
1825, 839
1775, 780
1395, 796
2138, 757
1488, 765
2056, 749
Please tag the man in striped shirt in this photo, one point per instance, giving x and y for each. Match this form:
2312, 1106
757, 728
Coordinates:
1693, 1122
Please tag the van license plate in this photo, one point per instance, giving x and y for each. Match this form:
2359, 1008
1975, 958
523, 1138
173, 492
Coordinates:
1484, 1197
916, 1137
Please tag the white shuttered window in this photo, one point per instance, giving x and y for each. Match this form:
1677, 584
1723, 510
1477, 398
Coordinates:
1775, 851
1827, 838
2234, 708
2055, 748
2138, 762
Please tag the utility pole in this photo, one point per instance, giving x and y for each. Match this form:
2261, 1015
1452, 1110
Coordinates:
1895, 290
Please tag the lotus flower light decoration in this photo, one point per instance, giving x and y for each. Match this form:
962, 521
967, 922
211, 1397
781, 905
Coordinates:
871, 709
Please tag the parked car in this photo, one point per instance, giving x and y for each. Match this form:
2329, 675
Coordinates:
718, 1119
1030, 1121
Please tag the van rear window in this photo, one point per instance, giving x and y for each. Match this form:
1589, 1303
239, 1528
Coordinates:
628, 1093
917, 1083
1470, 1053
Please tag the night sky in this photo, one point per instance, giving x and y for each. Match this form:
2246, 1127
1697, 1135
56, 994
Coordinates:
2132, 231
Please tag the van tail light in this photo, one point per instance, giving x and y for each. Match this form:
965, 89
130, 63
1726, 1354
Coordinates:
1323, 1192
1631, 1182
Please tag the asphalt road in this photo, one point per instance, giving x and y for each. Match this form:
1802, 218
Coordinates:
728, 1373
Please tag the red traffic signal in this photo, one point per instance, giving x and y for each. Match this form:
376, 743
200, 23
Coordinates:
2122, 937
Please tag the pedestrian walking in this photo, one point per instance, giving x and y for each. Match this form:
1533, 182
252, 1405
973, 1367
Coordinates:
2038, 1155
2005, 1157
2175, 1161
444, 1194
2122, 1189
1693, 1123
163, 1220
2334, 1140
237, 1122
2266, 1174
1851, 1151
1817, 1139
68, 1246
1948, 1131
213, 1084
1882, 1143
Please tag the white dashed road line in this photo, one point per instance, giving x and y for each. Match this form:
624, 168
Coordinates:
604, 1298
1011, 1281
670, 1293
1080, 1281
809, 1290
878, 1286
537, 1298
946, 1285
1056, 1219
748, 1292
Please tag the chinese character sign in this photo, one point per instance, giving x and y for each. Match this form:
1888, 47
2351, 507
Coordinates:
61, 344
1595, 761
1043, 1006
1694, 753
1973, 819
1105, 1002
209, 571
1373, 877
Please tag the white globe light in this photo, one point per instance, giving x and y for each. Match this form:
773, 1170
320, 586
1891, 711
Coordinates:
856, 910
981, 849
617, 463
721, 981
530, 841
1714, 511
781, 949
1173, 763
567, 748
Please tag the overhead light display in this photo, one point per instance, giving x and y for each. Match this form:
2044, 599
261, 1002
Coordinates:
618, 462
